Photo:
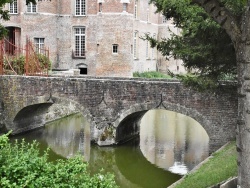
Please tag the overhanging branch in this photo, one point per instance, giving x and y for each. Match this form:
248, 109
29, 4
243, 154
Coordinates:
222, 16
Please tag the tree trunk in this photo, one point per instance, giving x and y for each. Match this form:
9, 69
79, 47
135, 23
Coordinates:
239, 32
243, 125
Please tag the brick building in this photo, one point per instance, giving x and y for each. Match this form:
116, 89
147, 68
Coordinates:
99, 37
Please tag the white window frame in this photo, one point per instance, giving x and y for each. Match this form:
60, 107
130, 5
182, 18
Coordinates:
115, 49
147, 49
13, 7
39, 44
80, 42
164, 19
135, 45
147, 14
80, 7
31, 8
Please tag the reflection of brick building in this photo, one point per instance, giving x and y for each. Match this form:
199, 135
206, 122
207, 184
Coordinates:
100, 37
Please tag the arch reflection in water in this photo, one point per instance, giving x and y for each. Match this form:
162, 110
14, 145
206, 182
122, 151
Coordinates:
173, 141
126, 162
69, 136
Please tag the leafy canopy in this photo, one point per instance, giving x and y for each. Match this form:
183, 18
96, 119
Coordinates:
205, 48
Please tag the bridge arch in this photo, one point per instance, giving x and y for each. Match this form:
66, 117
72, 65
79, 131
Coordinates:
45, 110
127, 124
30, 117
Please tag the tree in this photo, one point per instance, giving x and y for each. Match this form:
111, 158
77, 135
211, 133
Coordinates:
234, 17
23, 166
203, 45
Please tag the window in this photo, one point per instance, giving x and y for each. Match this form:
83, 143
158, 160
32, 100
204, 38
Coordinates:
31, 8
79, 42
147, 14
153, 49
100, 7
115, 49
80, 7
83, 70
39, 44
125, 5
164, 19
97, 49
147, 50
135, 44
13, 7
136, 10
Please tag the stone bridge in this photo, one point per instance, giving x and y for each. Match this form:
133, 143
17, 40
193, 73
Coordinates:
112, 106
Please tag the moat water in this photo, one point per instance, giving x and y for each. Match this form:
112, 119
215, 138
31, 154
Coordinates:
169, 146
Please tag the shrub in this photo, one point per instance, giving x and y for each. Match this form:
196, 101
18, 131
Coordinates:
18, 63
44, 61
23, 166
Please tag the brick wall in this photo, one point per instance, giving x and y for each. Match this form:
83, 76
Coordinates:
55, 21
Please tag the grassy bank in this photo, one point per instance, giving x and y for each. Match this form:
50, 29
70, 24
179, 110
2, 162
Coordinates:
221, 166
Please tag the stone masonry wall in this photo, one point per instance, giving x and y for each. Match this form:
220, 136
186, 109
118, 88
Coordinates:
106, 102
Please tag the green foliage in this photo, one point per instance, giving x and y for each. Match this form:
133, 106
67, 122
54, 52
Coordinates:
4, 16
235, 6
4, 140
150, 74
44, 61
198, 82
18, 63
22, 166
15, 63
203, 83
204, 47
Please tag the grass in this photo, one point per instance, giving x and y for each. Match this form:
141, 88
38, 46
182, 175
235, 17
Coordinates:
151, 74
219, 168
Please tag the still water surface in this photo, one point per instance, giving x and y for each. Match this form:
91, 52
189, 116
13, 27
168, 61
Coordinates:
169, 146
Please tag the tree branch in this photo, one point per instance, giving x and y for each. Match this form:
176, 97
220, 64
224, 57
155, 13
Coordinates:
222, 16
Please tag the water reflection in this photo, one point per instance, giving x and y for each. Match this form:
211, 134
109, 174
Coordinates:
173, 141
130, 167
68, 136
167, 139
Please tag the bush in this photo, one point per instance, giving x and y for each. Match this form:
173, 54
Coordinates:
44, 61
23, 166
18, 63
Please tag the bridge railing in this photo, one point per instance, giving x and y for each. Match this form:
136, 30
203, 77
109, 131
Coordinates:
15, 60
